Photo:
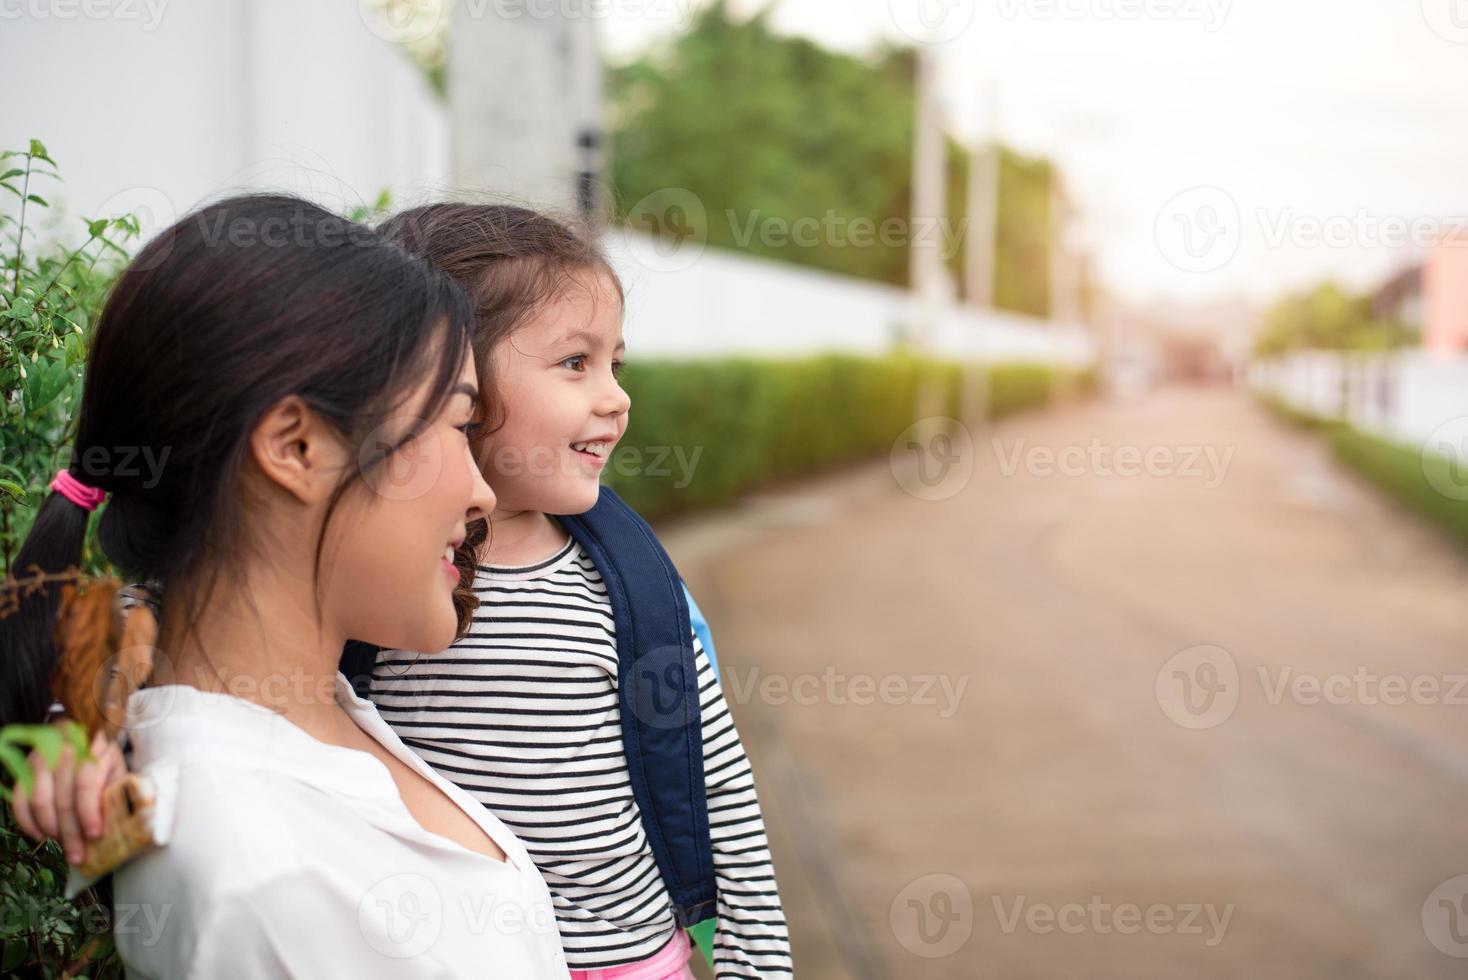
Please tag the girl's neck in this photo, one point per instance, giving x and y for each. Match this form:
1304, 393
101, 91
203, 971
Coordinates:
521, 537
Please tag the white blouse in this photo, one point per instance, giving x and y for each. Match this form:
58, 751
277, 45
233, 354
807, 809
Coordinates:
290, 857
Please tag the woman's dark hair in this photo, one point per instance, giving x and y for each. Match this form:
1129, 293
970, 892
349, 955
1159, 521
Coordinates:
237, 306
511, 261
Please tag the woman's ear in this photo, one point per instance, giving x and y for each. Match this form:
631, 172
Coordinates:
295, 449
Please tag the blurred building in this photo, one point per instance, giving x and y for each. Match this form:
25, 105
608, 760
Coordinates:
1445, 296
1399, 299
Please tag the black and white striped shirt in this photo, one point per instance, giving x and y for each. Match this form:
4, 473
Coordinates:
523, 714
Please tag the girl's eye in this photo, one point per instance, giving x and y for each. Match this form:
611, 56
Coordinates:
468, 428
617, 369
579, 365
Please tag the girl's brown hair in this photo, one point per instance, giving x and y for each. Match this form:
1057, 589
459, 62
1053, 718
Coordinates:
511, 261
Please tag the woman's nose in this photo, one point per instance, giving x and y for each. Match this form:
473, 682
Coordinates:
481, 495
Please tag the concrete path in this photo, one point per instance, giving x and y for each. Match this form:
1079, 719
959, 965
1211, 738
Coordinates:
1210, 720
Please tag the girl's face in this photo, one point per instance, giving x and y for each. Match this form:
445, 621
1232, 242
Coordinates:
562, 408
393, 577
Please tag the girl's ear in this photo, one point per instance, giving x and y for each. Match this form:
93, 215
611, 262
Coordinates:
295, 449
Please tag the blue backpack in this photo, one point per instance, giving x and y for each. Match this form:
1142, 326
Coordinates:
658, 690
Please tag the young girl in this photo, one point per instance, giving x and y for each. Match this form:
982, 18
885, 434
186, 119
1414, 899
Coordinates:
531, 711
282, 360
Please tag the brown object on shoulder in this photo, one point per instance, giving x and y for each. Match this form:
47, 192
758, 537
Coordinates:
105, 653
105, 640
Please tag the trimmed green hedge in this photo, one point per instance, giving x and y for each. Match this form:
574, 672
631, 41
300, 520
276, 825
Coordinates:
1402, 471
703, 431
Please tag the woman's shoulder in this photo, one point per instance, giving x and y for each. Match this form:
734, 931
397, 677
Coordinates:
227, 828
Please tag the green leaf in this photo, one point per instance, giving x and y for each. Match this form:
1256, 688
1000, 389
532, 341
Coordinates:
43, 738
38, 149
37, 199
15, 954
15, 490
13, 172
73, 733
14, 761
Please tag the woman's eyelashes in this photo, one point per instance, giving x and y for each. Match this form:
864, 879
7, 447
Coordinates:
469, 428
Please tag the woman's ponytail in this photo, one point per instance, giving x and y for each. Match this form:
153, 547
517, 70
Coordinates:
28, 607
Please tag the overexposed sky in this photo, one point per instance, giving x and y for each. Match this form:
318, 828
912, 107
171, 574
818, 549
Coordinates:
1211, 147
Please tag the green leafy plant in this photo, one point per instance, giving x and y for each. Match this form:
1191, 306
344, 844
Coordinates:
49, 296
51, 292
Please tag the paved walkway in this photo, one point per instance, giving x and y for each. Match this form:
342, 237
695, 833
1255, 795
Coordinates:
1080, 724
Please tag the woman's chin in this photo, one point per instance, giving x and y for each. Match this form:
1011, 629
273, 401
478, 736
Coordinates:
438, 634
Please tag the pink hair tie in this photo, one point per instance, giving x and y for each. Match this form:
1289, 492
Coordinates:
78, 492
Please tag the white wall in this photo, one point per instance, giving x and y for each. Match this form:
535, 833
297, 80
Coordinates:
161, 108
701, 302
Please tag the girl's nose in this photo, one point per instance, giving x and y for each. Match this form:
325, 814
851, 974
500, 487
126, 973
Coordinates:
614, 400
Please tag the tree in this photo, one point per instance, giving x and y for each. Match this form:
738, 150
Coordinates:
767, 131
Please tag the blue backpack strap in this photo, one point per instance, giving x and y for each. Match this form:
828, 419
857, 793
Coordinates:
701, 627
658, 692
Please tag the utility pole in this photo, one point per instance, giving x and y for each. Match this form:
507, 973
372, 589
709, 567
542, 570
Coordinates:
1064, 282
929, 182
926, 274
981, 248
983, 206
526, 102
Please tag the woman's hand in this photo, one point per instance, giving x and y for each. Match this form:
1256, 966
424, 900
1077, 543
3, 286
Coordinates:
66, 804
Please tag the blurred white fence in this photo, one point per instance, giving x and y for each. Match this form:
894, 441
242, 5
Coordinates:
1404, 396
708, 302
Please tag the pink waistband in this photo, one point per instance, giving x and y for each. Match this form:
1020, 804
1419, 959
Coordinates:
667, 963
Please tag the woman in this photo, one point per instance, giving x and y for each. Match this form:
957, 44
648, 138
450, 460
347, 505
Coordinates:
312, 389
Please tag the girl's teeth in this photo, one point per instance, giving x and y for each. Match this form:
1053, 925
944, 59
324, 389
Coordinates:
595, 448
448, 553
